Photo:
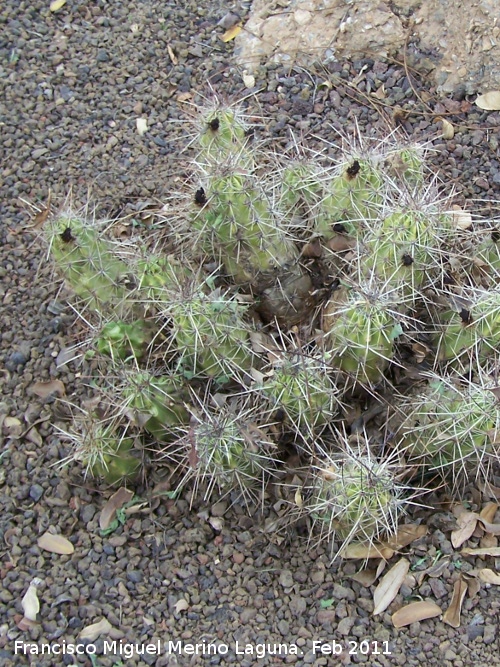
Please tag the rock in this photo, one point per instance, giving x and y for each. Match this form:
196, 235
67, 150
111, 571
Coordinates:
286, 579
102, 56
490, 633
15, 360
345, 625
297, 605
301, 33
36, 492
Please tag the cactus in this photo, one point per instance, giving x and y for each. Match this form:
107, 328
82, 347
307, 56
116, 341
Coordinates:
301, 386
106, 451
352, 496
452, 429
211, 335
89, 263
230, 453
158, 401
294, 281
470, 329
121, 340
360, 326
403, 248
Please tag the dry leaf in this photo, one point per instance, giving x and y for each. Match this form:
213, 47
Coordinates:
488, 512
56, 544
46, 389
95, 630
489, 576
30, 602
452, 614
56, 5
362, 551
366, 577
172, 55
491, 528
142, 126
248, 80
380, 93
474, 586
467, 522
405, 534
461, 219
448, 131
489, 101
389, 586
116, 501
488, 541
41, 216
231, 33
489, 551
181, 605
416, 611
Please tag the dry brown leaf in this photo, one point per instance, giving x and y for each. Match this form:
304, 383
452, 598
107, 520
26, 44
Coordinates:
361, 551
46, 389
416, 611
461, 219
490, 551
181, 605
474, 586
56, 544
488, 512
24, 623
231, 33
56, 5
405, 534
487, 541
489, 101
489, 576
116, 501
172, 55
389, 586
452, 614
491, 528
30, 602
447, 129
41, 216
467, 522
95, 630
380, 93
365, 577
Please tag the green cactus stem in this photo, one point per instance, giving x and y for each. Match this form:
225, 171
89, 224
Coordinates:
452, 429
212, 336
159, 402
360, 326
302, 387
354, 497
471, 328
122, 340
89, 264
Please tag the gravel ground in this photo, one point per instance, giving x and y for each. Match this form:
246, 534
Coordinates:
73, 84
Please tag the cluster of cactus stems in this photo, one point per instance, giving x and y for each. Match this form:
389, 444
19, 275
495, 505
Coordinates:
303, 288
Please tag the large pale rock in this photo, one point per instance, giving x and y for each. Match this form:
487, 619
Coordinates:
462, 36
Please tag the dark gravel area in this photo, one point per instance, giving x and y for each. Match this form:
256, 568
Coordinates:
73, 84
